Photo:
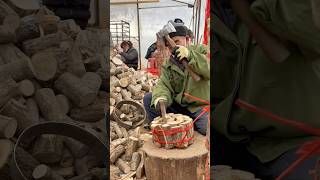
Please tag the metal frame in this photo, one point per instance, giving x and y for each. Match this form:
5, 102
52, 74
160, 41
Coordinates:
120, 31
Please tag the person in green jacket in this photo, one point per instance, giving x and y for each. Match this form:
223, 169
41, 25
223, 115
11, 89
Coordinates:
290, 88
175, 81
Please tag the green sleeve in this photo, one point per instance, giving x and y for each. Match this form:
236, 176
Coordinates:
199, 61
163, 88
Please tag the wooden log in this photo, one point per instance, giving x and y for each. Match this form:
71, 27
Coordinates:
72, 87
146, 87
112, 101
131, 148
123, 82
49, 105
116, 153
125, 133
10, 53
67, 159
8, 90
81, 166
117, 129
138, 96
43, 66
28, 29
6, 152
33, 46
8, 127
126, 96
76, 148
123, 166
189, 163
20, 112
134, 89
63, 103
26, 161
24, 8
113, 135
91, 113
69, 27
26, 88
75, 63
32, 109
92, 80
66, 172
17, 70
48, 23
117, 142
10, 22
135, 161
48, 148
117, 61
44, 172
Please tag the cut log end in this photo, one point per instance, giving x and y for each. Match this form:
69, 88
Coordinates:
40, 171
26, 88
43, 66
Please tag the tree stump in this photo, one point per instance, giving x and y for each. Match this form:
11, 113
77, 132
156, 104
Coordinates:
173, 164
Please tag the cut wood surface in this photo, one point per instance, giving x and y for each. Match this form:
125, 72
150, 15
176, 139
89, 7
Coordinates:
43, 172
26, 88
8, 89
76, 148
73, 88
44, 66
135, 161
123, 166
17, 70
131, 148
69, 27
10, 53
63, 103
189, 163
92, 80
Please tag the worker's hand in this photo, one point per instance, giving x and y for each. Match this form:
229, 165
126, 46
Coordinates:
118, 48
181, 52
158, 101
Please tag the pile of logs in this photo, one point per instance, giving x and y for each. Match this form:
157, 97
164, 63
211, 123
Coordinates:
126, 158
50, 70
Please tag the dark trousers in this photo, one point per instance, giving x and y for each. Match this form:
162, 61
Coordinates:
224, 152
200, 124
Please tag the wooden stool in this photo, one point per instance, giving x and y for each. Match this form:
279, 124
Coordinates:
176, 164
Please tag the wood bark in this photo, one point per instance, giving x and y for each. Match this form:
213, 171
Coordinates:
77, 149
134, 89
49, 105
26, 161
75, 63
67, 159
5, 151
48, 23
126, 95
44, 66
91, 113
8, 90
117, 129
135, 161
131, 148
116, 153
63, 103
81, 166
189, 163
26, 88
123, 166
117, 142
33, 46
8, 127
73, 88
24, 8
10, 22
20, 112
69, 27
28, 29
48, 148
32, 109
44, 172
17, 70
66, 172
10, 53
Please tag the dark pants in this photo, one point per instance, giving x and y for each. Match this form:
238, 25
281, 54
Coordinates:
224, 152
200, 124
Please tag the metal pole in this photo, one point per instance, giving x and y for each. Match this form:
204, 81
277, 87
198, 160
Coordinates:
139, 35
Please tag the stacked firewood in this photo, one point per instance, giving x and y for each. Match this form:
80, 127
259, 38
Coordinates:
126, 84
50, 70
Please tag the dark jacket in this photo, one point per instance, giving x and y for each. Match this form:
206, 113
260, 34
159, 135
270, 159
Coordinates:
130, 58
152, 48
